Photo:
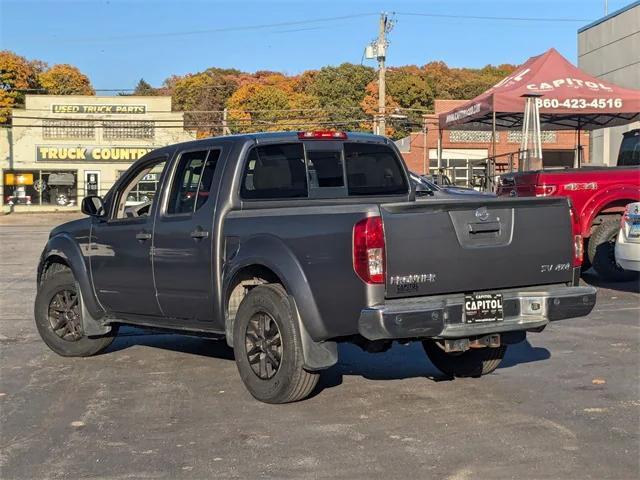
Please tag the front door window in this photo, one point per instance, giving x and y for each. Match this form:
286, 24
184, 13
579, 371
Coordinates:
136, 198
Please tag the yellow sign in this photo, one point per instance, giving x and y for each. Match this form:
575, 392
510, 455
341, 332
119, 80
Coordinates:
90, 154
18, 179
79, 108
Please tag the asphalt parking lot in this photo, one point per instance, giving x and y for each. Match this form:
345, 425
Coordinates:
563, 405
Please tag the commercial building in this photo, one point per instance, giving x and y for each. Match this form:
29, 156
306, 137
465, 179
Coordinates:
609, 49
62, 148
460, 148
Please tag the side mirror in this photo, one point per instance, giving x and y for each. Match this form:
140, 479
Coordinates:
93, 206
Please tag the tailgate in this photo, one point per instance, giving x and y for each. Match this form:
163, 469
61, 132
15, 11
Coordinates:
446, 246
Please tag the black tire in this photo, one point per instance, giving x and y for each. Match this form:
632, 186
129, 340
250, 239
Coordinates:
602, 252
475, 362
267, 307
70, 341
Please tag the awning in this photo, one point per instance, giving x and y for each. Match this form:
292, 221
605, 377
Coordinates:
568, 99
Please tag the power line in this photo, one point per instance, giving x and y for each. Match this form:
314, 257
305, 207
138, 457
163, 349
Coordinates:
214, 30
239, 123
240, 110
483, 17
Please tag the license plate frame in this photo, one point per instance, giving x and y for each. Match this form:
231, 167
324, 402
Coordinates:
483, 308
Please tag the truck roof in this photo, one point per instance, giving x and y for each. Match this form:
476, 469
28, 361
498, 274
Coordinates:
270, 137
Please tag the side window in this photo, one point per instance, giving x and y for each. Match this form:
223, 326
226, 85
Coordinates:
136, 197
192, 181
629, 151
275, 171
373, 170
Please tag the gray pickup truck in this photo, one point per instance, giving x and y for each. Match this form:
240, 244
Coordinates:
289, 243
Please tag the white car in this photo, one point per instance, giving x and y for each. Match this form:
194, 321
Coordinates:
628, 244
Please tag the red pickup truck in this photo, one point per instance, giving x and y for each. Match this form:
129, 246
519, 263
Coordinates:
598, 198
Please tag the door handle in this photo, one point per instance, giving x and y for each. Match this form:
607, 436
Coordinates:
489, 227
199, 234
143, 236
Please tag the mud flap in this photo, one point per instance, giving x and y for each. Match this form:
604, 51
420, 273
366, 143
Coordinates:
92, 327
317, 355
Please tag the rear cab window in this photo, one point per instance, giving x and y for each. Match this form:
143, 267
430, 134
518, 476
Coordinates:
275, 171
319, 169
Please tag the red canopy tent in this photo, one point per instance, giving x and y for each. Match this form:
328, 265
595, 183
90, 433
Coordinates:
569, 99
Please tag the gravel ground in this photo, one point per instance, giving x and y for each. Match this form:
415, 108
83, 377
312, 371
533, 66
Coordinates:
565, 404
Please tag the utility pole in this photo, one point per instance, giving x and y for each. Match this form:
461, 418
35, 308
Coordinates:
378, 50
425, 150
381, 52
225, 128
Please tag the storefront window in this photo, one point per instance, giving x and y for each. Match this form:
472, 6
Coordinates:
41, 187
128, 130
68, 130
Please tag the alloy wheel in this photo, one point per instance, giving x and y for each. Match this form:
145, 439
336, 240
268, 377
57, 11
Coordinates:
64, 315
264, 345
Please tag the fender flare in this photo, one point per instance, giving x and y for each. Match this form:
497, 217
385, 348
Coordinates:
65, 247
270, 252
600, 199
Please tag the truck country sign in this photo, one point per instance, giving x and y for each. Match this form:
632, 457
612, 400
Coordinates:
46, 153
80, 108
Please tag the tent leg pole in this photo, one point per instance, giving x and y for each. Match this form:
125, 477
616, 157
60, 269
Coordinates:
439, 149
579, 147
492, 162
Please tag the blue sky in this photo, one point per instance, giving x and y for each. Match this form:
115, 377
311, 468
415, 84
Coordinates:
117, 42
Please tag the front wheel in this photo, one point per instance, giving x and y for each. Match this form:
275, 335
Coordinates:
474, 362
268, 349
59, 317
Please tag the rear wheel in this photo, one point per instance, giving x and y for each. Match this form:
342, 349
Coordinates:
471, 363
58, 316
268, 349
602, 252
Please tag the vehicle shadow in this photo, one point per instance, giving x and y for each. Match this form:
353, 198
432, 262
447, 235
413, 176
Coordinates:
401, 362
593, 279
203, 346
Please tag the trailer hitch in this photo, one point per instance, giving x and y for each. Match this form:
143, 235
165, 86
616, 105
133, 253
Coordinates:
463, 344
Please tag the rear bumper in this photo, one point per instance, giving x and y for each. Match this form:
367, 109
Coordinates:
627, 253
442, 316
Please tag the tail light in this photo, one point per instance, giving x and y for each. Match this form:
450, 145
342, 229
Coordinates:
545, 190
625, 217
322, 135
368, 250
578, 250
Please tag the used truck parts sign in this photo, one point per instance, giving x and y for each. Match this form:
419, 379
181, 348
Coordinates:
78, 108
90, 154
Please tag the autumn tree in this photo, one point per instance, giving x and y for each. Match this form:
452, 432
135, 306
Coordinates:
144, 88
64, 79
370, 107
408, 97
462, 83
17, 76
340, 91
260, 106
203, 96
